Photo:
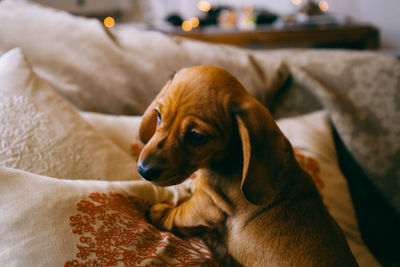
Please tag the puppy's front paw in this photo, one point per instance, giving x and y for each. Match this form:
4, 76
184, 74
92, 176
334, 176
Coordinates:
157, 214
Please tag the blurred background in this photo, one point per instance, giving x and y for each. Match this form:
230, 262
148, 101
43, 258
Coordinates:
213, 17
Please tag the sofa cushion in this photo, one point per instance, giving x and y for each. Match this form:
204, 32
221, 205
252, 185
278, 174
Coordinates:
118, 70
41, 133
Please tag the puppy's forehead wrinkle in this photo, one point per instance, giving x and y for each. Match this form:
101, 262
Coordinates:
201, 94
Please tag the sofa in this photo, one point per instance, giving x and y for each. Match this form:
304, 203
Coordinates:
71, 96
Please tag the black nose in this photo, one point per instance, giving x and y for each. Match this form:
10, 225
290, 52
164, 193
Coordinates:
148, 172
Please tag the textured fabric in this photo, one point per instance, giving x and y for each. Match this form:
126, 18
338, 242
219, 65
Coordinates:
52, 222
361, 92
41, 133
118, 70
121, 130
311, 137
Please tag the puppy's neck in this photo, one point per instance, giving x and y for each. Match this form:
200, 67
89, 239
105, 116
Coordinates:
225, 177
227, 166
230, 161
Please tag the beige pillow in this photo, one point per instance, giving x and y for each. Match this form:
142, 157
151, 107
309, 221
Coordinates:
121, 130
312, 139
57, 222
120, 70
41, 133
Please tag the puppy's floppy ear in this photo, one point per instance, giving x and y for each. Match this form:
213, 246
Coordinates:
148, 124
265, 152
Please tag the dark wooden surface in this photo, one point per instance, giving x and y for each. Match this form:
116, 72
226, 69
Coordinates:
352, 36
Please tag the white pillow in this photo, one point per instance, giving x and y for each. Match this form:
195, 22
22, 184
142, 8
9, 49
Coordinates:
41, 133
121, 70
121, 130
57, 222
312, 139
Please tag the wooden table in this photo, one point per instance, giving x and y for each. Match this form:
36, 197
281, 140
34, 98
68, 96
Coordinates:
351, 36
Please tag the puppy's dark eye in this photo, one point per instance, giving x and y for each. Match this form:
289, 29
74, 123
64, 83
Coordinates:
195, 138
158, 117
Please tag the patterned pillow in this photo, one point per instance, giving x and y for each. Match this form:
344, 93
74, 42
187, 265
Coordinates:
56, 222
41, 133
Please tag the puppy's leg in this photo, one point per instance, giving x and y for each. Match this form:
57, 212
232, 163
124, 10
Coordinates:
199, 210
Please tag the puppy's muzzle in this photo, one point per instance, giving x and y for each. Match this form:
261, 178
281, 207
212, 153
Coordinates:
148, 172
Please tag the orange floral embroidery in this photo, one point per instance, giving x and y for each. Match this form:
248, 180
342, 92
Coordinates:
311, 166
113, 231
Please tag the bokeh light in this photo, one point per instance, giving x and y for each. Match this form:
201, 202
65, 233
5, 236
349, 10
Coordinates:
195, 22
248, 8
204, 6
187, 25
323, 5
109, 22
296, 2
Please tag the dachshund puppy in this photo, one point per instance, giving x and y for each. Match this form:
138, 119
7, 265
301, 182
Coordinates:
203, 119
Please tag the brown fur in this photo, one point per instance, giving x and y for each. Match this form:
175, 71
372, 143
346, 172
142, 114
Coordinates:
249, 178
